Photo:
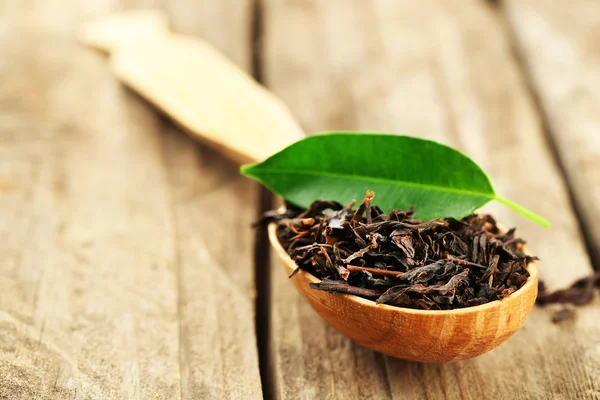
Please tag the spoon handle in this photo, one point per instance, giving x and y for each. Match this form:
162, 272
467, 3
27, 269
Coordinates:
199, 88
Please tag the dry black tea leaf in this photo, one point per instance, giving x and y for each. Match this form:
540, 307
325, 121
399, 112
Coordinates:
579, 293
563, 314
394, 259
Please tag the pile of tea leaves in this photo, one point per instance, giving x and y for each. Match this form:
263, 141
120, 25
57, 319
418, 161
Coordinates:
394, 259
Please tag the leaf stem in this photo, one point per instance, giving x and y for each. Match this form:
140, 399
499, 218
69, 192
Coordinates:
524, 211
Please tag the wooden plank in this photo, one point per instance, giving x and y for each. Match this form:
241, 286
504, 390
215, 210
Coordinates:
227, 25
139, 289
558, 41
214, 209
424, 68
88, 306
214, 240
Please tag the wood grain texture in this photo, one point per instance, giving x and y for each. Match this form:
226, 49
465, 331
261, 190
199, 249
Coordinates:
214, 209
560, 44
441, 70
89, 300
216, 290
119, 280
226, 24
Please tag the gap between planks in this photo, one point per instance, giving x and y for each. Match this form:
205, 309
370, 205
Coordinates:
262, 248
262, 277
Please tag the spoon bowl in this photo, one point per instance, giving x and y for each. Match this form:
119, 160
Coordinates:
416, 335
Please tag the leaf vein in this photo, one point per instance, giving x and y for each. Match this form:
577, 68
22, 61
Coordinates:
489, 196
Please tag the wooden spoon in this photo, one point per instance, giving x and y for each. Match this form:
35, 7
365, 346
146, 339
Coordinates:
416, 335
213, 99
216, 102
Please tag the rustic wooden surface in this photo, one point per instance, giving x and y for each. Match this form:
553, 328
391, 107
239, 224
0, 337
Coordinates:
119, 279
119, 276
87, 306
443, 70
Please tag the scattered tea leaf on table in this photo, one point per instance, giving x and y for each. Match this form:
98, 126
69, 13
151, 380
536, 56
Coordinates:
437, 180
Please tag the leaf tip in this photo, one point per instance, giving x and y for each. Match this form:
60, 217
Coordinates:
538, 219
544, 222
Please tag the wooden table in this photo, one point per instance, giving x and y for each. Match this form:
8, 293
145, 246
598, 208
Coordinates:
128, 268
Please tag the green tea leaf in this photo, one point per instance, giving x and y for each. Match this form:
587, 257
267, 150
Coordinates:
437, 180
